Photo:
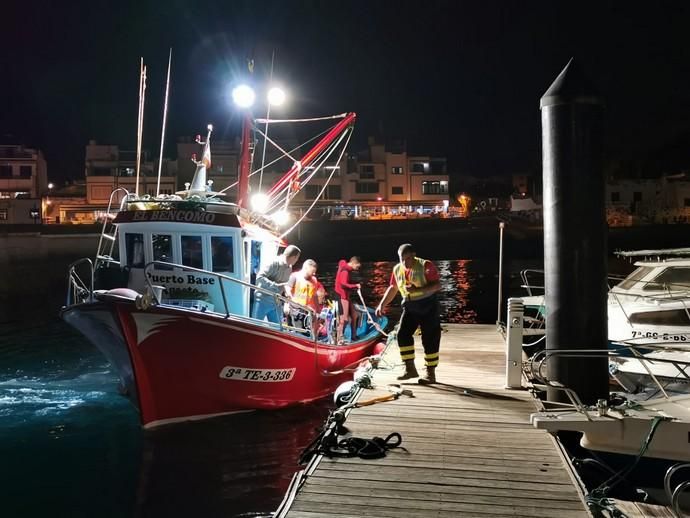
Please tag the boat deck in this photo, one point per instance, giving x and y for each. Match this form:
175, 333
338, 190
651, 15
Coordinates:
470, 449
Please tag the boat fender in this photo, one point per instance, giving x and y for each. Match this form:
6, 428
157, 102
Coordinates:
343, 393
379, 348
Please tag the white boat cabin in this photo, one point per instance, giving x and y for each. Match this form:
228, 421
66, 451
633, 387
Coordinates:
200, 244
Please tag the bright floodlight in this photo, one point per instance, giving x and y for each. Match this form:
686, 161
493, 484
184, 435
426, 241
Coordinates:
276, 96
260, 202
282, 217
243, 96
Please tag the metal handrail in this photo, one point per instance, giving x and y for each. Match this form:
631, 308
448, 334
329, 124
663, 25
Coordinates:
673, 496
525, 280
275, 296
683, 290
75, 282
106, 220
537, 362
312, 314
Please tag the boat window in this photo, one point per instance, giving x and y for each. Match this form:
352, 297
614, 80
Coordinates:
162, 248
222, 254
673, 317
672, 278
634, 277
191, 251
256, 258
134, 244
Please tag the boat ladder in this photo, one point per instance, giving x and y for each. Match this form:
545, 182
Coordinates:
106, 243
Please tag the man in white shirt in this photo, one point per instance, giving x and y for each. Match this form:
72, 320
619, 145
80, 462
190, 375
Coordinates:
273, 277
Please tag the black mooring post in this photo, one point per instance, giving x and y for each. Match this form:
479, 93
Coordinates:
575, 234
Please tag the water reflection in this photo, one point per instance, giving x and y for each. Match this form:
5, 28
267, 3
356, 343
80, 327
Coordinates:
468, 288
237, 465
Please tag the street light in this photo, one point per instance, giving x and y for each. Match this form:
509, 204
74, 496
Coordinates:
276, 96
243, 96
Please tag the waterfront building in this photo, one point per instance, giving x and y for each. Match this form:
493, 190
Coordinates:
107, 168
23, 180
387, 180
663, 200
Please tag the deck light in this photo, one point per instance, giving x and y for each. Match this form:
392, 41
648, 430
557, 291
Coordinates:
243, 96
276, 96
260, 202
282, 217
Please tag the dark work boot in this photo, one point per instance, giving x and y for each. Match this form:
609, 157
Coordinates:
410, 371
429, 378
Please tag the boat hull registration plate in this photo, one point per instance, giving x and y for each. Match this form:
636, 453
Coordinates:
257, 375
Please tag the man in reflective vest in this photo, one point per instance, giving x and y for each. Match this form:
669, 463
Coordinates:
417, 280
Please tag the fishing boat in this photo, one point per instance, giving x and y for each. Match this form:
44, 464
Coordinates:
168, 297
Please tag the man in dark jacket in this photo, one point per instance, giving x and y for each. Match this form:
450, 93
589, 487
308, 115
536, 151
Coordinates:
345, 289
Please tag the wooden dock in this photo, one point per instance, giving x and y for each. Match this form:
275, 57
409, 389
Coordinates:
470, 450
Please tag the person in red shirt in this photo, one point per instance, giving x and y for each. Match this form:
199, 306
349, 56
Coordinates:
417, 280
345, 290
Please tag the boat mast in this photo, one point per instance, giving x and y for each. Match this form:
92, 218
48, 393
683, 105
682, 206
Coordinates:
140, 119
245, 158
165, 116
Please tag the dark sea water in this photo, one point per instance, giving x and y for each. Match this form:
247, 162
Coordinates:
71, 446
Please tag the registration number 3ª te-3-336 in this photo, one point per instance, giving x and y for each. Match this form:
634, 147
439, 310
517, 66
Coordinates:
258, 375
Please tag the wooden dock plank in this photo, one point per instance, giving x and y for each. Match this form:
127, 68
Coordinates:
469, 447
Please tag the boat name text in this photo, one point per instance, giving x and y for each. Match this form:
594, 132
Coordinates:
180, 279
187, 216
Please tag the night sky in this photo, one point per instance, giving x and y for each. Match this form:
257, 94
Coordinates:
457, 79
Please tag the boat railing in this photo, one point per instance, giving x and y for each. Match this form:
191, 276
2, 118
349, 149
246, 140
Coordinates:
280, 300
79, 283
671, 290
524, 275
537, 364
674, 494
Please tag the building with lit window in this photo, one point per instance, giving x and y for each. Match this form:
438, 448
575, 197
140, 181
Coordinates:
387, 179
23, 180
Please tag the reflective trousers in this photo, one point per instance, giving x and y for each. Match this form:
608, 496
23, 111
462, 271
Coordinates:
425, 313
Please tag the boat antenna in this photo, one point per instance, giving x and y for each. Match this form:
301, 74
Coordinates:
268, 116
165, 117
140, 120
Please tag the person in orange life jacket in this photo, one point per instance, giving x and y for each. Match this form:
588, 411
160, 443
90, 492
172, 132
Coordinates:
303, 288
345, 291
417, 280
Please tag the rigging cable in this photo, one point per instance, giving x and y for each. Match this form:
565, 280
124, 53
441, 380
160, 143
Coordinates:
322, 189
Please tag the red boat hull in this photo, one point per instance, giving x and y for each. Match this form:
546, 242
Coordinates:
190, 365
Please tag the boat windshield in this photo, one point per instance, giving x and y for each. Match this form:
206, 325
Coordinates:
635, 277
673, 279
